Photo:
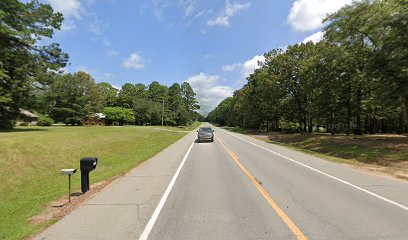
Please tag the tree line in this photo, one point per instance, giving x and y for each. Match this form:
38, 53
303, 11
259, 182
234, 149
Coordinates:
355, 80
31, 78
73, 98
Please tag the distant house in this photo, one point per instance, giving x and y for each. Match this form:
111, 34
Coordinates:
27, 117
96, 119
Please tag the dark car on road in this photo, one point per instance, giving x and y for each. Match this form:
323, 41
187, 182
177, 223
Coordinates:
205, 134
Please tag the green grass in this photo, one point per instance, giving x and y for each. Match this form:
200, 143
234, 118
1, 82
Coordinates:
383, 153
31, 157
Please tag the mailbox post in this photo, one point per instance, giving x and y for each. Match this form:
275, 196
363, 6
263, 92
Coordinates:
68, 172
87, 165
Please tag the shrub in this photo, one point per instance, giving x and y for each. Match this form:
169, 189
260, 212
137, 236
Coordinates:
118, 116
73, 121
290, 127
45, 121
23, 124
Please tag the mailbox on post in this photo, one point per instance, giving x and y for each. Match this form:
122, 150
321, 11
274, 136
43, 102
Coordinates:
69, 173
87, 164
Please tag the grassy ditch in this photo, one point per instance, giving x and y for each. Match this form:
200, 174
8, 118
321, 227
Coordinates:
383, 153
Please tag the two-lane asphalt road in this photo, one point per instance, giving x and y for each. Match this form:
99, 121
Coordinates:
241, 188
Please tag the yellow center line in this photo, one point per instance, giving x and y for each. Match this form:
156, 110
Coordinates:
291, 225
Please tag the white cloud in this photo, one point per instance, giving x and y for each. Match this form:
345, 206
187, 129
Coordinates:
96, 26
90, 2
111, 53
158, 9
246, 68
229, 11
209, 91
69, 8
231, 67
106, 42
117, 87
109, 75
250, 65
316, 37
307, 15
134, 61
68, 25
189, 7
207, 57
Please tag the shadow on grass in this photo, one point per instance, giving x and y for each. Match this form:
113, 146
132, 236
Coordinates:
23, 130
374, 149
380, 149
60, 205
242, 130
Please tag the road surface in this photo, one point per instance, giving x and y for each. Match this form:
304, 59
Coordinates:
242, 188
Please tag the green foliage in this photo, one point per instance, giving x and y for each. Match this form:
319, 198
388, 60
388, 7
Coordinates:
188, 95
24, 62
222, 114
45, 121
355, 80
128, 93
156, 103
157, 92
118, 116
109, 94
73, 97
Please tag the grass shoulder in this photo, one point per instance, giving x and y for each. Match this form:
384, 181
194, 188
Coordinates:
380, 153
31, 158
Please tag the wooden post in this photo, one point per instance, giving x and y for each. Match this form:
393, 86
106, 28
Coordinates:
69, 188
68, 172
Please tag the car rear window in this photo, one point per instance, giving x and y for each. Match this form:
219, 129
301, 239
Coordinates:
205, 130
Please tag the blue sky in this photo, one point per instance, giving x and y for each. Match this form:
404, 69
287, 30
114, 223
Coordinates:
212, 44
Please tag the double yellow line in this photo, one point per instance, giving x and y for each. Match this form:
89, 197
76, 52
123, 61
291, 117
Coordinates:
291, 225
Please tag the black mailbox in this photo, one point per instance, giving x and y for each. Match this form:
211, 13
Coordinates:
86, 165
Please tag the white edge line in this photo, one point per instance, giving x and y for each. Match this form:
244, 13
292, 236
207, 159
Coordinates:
326, 174
153, 218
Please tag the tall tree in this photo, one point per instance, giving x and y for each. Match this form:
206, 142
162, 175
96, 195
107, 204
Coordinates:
22, 57
74, 97
157, 92
109, 94
189, 98
353, 80
126, 95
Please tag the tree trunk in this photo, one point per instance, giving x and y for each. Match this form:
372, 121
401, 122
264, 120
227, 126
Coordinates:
349, 109
332, 131
406, 113
401, 123
304, 124
357, 128
310, 125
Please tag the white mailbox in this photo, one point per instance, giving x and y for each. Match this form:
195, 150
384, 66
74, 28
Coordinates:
69, 172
